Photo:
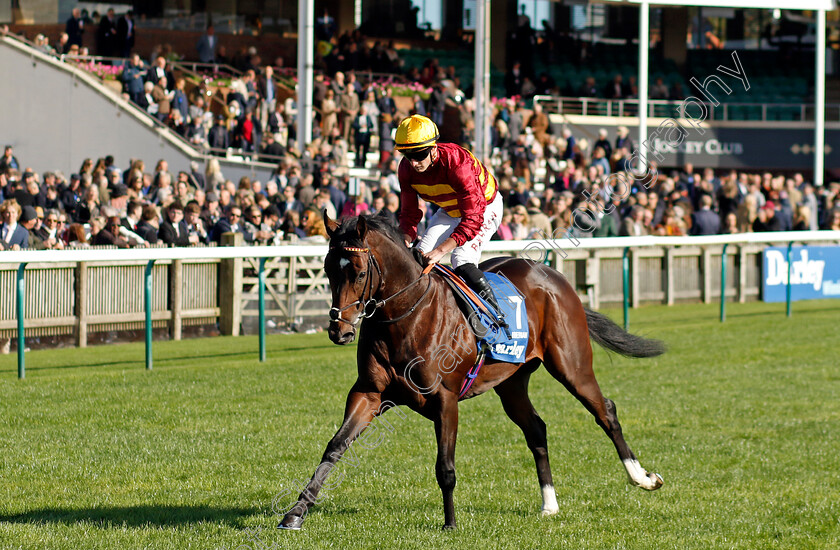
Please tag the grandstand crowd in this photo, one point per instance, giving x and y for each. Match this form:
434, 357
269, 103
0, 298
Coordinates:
136, 205
550, 183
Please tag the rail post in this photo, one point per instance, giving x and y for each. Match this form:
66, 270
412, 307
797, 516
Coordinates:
148, 298
21, 296
789, 277
625, 279
723, 284
262, 308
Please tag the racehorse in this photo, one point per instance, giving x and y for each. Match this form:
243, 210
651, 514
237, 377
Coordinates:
410, 317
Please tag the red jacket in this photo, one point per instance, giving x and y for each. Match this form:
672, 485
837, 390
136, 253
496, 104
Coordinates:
456, 182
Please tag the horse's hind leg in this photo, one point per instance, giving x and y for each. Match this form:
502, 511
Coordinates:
580, 380
514, 395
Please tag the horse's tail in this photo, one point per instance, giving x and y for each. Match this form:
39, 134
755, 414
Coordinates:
610, 336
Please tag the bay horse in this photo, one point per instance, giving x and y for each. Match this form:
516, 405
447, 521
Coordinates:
410, 317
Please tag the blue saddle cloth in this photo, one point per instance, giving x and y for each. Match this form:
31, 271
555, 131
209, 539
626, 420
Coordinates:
501, 345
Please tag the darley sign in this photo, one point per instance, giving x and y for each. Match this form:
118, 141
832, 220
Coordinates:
815, 273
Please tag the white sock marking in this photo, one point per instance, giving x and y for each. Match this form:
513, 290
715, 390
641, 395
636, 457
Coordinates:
638, 475
549, 498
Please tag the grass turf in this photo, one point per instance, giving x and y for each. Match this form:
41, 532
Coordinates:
737, 417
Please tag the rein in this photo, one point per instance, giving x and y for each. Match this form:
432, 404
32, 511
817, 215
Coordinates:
371, 305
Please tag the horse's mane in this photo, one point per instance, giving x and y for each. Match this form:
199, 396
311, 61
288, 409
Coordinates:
347, 235
346, 232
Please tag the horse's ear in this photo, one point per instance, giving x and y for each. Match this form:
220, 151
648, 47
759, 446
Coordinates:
361, 228
331, 225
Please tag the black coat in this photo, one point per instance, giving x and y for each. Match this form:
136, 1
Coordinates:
167, 234
147, 232
223, 226
125, 41
218, 137
705, 222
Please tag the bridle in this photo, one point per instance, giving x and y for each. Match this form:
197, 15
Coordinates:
370, 304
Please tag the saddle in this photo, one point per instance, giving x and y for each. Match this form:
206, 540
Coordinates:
501, 345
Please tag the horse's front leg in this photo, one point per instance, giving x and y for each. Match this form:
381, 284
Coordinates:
446, 429
361, 408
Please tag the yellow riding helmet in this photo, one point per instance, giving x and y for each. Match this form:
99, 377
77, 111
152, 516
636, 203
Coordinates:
416, 132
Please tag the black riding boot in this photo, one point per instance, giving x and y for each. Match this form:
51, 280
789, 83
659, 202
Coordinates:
477, 281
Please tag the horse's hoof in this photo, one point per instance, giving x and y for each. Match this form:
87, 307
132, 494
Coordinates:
656, 481
651, 482
448, 527
291, 523
546, 512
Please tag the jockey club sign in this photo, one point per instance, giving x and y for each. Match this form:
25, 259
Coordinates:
708, 147
748, 147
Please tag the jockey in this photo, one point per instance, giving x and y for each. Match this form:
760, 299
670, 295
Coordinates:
466, 192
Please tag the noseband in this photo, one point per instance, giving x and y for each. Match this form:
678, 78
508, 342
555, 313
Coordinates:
370, 304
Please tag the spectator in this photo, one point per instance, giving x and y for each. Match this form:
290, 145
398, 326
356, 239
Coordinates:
767, 220
604, 144
163, 99
659, 90
75, 28
291, 225
623, 140
233, 223
313, 224
521, 225
289, 202
196, 134
248, 133
589, 89
267, 89
504, 232
173, 231
271, 147
329, 114
834, 220
149, 224
179, 99
125, 33
540, 125
277, 125
349, 107
206, 46
672, 224
158, 71
730, 224
633, 224
50, 233
195, 225
363, 127
13, 236
569, 151
609, 223
747, 213
107, 34
219, 139
109, 234
9, 161
356, 205
132, 77
147, 101
616, 88
514, 80
704, 221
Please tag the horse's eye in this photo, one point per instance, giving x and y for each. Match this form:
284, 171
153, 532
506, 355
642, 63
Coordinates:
362, 275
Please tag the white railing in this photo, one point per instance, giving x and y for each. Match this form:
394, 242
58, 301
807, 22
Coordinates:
628, 270
724, 112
